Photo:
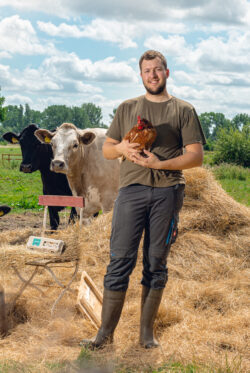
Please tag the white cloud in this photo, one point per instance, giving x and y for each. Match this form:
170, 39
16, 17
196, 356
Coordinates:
32, 81
18, 36
206, 44
66, 74
227, 12
117, 32
18, 100
174, 45
107, 70
112, 31
220, 54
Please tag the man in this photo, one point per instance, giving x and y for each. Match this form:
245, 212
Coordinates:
150, 196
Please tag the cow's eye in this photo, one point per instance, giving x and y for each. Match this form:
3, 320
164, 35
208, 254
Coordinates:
75, 146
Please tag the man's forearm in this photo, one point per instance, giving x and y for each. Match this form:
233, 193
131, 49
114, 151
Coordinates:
192, 158
110, 150
185, 161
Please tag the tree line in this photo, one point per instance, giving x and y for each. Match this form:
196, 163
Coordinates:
15, 118
229, 138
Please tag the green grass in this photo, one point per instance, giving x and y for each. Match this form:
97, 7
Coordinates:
86, 363
18, 190
235, 180
208, 158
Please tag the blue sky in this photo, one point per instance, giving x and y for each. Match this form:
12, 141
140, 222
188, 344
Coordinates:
75, 51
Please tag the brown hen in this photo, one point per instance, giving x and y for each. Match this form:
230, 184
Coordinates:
142, 133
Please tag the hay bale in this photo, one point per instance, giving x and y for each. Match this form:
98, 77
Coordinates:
208, 208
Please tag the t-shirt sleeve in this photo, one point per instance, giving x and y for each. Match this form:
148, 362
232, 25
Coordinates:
191, 129
114, 130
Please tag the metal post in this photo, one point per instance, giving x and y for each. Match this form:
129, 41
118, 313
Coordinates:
81, 212
44, 219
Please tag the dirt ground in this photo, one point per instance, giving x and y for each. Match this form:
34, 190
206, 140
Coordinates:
14, 221
27, 219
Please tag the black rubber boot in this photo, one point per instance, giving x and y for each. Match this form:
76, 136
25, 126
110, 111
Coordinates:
150, 302
111, 311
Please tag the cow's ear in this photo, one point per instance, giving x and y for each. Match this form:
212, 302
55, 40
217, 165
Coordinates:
44, 136
88, 137
11, 137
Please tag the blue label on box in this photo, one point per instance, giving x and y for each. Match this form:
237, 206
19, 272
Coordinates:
36, 241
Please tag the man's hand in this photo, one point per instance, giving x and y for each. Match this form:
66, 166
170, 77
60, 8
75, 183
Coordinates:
113, 149
152, 161
127, 149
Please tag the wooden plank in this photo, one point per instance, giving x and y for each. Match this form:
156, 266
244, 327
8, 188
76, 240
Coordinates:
50, 200
89, 300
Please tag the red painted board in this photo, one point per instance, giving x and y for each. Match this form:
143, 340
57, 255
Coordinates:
49, 200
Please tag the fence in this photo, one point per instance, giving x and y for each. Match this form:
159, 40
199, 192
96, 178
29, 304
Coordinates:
7, 157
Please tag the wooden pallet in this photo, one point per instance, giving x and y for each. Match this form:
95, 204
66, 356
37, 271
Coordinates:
89, 300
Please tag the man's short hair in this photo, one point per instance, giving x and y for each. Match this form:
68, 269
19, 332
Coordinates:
151, 55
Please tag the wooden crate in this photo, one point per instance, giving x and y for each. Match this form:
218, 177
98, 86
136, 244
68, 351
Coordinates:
89, 300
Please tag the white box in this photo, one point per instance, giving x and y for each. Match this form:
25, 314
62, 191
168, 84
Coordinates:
44, 244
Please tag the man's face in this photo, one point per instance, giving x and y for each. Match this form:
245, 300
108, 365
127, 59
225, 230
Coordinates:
154, 75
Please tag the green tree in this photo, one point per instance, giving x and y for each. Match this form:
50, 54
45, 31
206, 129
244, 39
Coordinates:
233, 146
54, 115
113, 114
2, 109
240, 120
20, 121
94, 114
10, 122
212, 123
79, 117
27, 116
206, 124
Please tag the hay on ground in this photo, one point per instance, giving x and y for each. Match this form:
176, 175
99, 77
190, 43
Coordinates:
204, 315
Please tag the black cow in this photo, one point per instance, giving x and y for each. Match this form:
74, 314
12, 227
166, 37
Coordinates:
37, 156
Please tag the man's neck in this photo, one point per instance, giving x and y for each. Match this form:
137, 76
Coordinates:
161, 97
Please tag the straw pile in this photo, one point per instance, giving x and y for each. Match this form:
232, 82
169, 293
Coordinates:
204, 315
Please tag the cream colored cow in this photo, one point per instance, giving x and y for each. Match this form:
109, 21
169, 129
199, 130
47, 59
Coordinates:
78, 154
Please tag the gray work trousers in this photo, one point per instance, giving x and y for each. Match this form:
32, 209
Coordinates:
141, 208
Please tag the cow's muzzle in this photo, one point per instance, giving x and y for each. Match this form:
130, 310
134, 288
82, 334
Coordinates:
57, 165
26, 168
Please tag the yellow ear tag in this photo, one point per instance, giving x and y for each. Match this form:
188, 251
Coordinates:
1, 213
47, 139
14, 140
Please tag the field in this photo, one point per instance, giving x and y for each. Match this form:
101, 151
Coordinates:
203, 323
18, 190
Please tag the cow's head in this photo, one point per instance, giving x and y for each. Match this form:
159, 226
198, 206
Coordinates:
68, 144
30, 147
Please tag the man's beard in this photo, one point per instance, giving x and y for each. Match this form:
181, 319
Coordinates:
159, 90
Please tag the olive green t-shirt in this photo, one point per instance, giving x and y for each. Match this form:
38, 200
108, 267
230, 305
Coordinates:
177, 125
